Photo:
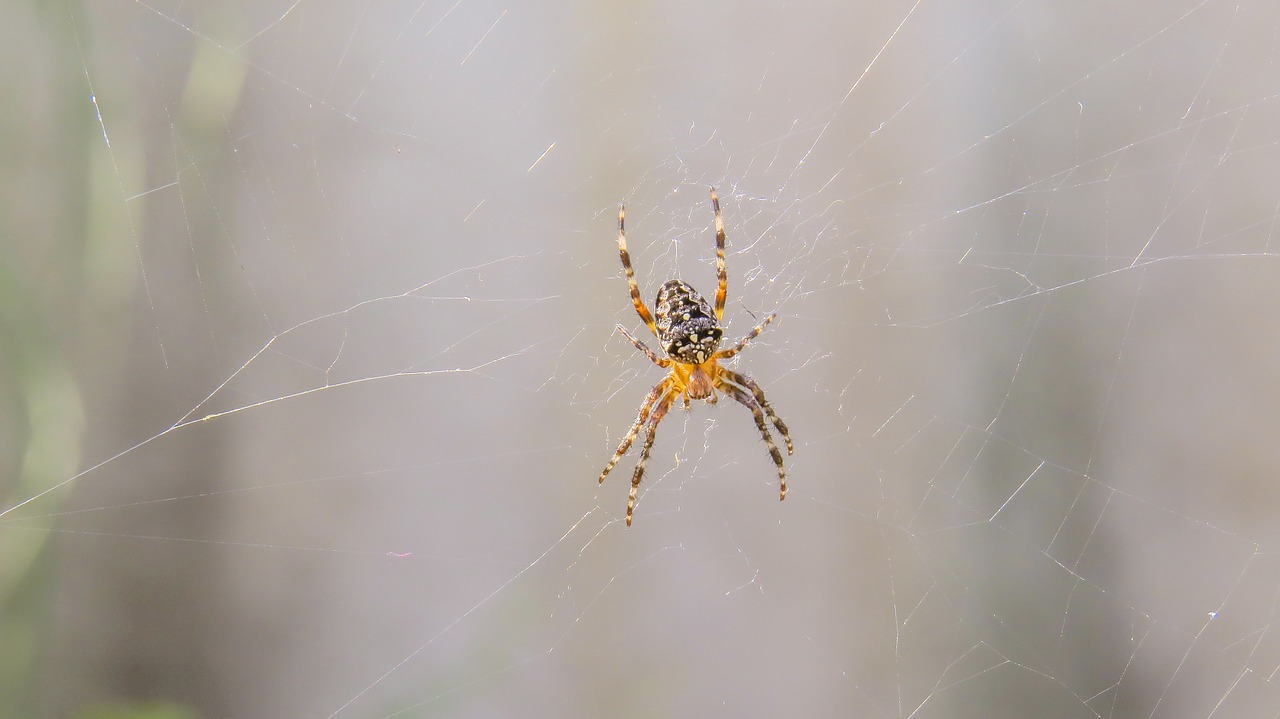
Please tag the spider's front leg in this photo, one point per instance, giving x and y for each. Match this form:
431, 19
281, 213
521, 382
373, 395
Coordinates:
722, 275
641, 309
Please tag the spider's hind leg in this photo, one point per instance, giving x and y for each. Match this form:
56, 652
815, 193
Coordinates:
650, 433
758, 392
630, 437
748, 401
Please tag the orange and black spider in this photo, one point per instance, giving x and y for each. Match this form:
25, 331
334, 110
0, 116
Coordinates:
690, 333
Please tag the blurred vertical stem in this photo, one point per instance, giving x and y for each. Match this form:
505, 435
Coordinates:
65, 280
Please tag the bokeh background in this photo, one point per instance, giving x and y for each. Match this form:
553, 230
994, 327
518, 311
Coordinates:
308, 362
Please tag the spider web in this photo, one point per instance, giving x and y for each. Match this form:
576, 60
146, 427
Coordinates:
316, 366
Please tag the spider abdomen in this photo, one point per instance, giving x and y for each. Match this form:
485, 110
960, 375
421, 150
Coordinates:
687, 326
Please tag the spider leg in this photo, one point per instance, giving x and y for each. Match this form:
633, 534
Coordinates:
649, 399
745, 381
742, 343
660, 361
721, 274
631, 274
650, 433
750, 403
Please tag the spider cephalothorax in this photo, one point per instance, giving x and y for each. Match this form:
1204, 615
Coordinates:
690, 332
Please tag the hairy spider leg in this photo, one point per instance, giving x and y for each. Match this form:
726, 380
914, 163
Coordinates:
660, 361
758, 393
722, 275
750, 403
631, 273
658, 391
650, 433
728, 352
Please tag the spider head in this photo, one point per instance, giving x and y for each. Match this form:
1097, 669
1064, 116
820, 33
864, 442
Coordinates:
687, 326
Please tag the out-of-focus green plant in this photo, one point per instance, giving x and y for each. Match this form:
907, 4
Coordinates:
62, 280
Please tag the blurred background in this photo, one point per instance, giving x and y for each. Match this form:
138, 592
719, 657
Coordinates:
308, 363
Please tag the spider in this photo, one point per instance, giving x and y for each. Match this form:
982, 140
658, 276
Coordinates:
690, 336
